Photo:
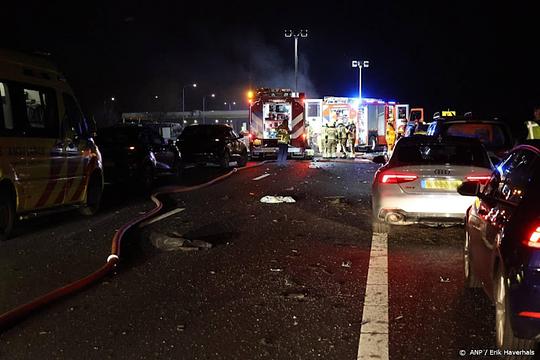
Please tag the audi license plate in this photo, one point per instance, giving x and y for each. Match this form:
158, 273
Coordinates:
440, 184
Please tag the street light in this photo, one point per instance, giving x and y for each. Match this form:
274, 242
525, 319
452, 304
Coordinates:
296, 34
360, 64
184, 97
204, 107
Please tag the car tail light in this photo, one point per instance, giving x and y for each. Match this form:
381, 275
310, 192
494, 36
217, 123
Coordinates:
390, 178
534, 238
481, 179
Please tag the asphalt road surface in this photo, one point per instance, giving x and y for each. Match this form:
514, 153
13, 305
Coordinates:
230, 277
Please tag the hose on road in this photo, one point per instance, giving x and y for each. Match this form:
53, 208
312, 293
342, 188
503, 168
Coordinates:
12, 317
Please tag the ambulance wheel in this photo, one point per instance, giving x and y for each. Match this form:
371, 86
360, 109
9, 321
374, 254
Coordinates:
7, 214
94, 191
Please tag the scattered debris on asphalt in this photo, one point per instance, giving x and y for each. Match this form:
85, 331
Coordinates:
346, 264
276, 270
297, 295
277, 199
174, 242
444, 280
398, 317
290, 189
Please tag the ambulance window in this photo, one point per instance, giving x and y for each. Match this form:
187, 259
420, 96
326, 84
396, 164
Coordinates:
6, 117
41, 112
75, 122
313, 110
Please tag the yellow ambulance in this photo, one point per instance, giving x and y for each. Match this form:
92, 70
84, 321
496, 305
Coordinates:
48, 159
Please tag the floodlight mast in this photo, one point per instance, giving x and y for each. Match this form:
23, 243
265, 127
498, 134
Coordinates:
296, 34
360, 64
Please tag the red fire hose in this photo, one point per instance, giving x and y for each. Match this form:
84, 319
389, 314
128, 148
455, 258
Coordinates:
17, 314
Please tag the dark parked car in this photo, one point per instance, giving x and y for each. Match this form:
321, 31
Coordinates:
494, 134
502, 245
136, 153
201, 144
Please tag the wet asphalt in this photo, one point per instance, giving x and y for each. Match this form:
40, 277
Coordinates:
269, 281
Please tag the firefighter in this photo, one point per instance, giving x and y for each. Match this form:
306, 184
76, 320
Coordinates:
351, 136
390, 136
342, 139
331, 142
284, 137
325, 148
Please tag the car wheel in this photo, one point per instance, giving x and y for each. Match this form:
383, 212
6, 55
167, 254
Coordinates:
225, 160
94, 191
470, 279
7, 214
503, 328
243, 159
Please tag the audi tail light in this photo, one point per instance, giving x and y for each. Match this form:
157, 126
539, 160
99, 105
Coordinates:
481, 179
534, 238
391, 178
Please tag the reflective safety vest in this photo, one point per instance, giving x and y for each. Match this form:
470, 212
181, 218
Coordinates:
390, 135
283, 136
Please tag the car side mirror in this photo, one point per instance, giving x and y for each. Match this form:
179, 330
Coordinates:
379, 159
469, 188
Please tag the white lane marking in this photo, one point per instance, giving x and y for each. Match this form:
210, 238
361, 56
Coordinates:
261, 177
161, 217
373, 341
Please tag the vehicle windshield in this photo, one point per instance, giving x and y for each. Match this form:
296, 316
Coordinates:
492, 135
441, 154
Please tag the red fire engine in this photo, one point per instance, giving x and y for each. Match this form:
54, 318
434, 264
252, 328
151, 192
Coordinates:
268, 109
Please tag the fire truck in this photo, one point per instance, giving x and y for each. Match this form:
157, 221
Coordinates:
374, 115
268, 109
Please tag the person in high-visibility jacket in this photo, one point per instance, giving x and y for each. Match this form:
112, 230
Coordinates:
342, 139
351, 139
390, 136
284, 137
331, 136
324, 141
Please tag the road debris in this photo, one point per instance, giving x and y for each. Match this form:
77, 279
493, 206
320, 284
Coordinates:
276, 269
277, 199
444, 280
171, 243
398, 317
346, 264
290, 189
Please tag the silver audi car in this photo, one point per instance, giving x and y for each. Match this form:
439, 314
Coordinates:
418, 183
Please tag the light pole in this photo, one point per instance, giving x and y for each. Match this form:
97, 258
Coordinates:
296, 34
360, 64
184, 98
204, 107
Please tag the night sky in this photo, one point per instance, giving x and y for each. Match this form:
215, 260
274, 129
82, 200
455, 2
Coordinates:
477, 57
